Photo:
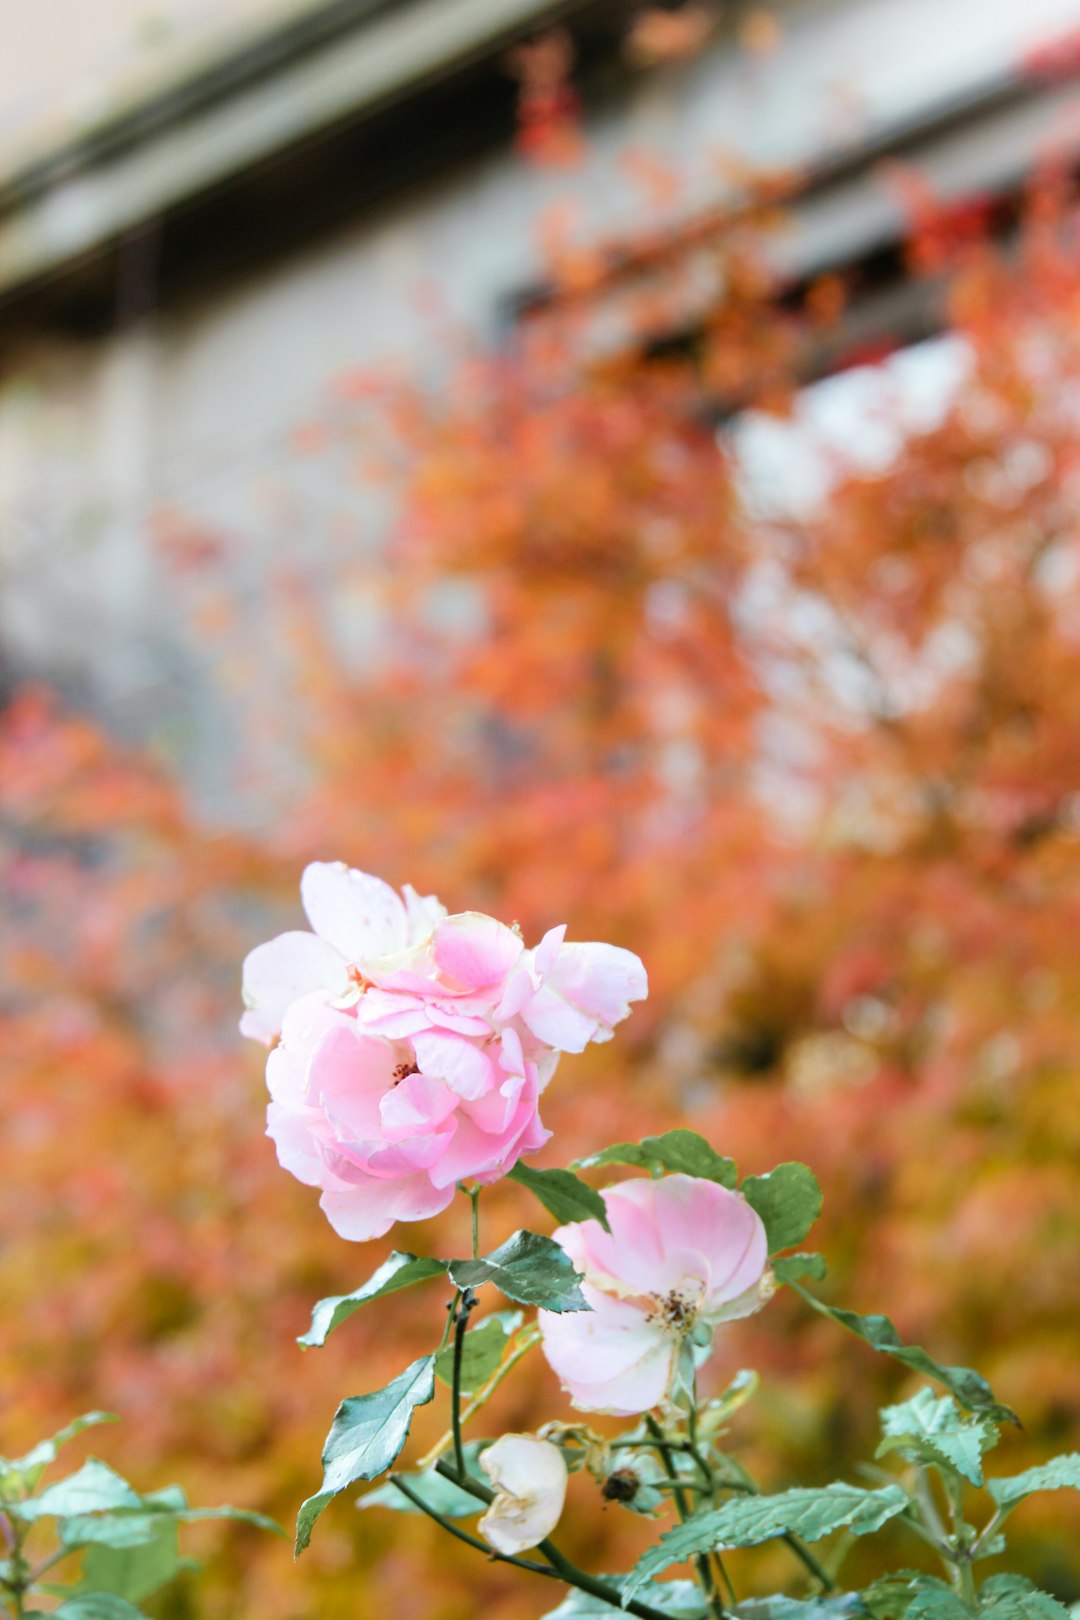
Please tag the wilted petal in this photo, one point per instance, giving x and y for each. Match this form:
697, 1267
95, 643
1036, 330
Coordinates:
529, 1476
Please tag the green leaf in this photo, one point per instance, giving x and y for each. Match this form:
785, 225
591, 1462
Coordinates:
1011, 1597
970, 1388
890, 1597
94, 1488
97, 1606
682, 1600
134, 1527
681, 1152
528, 1268
137, 1569
24, 1472
482, 1351
790, 1267
843, 1606
747, 1520
934, 1601
366, 1435
788, 1200
399, 1271
932, 1429
562, 1194
1062, 1473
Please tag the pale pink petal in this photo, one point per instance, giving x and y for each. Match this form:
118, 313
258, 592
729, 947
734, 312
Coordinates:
473, 950
280, 972
369, 1210
464, 1067
416, 1103
385, 1012
474, 1152
557, 1022
303, 1026
410, 1153
610, 1359
549, 948
358, 914
700, 1215
600, 979
347, 1076
291, 1131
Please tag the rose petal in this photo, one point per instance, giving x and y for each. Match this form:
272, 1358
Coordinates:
473, 950
358, 914
281, 971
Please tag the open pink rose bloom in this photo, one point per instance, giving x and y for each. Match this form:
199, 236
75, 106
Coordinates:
412, 1046
682, 1254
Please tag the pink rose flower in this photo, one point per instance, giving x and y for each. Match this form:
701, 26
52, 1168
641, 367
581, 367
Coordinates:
415, 1045
682, 1254
385, 1130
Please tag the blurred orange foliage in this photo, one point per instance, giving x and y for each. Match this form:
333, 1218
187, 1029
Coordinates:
823, 774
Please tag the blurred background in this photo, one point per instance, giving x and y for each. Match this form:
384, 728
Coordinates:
602, 462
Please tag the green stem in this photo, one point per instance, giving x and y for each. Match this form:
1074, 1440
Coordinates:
563, 1567
465, 1304
960, 1549
463, 1535
530, 1337
705, 1575
19, 1582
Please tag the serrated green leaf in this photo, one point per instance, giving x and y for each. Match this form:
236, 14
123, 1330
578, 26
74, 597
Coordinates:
970, 1388
400, 1270
932, 1429
747, 1520
482, 1350
682, 1600
842, 1606
563, 1195
94, 1488
134, 1570
24, 1472
936, 1602
890, 1597
790, 1267
679, 1151
366, 1435
1012, 1597
1061, 1473
528, 1268
788, 1200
